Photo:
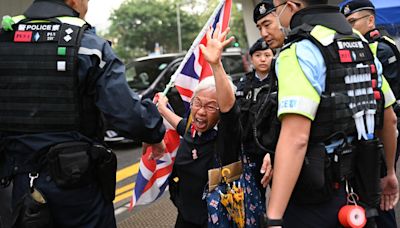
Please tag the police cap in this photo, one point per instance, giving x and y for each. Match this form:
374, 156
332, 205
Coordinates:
349, 7
259, 45
262, 9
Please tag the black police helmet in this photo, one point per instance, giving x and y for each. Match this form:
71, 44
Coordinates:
262, 9
259, 45
349, 7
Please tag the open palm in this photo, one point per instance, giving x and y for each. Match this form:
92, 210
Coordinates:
215, 44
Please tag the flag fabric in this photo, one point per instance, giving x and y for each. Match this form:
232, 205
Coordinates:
152, 178
196, 67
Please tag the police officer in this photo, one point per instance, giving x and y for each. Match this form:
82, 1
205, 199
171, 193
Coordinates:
247, 92
59, 80
317, 76
266, 20
361, 15
271, 31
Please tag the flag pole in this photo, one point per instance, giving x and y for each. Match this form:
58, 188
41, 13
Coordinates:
196, 42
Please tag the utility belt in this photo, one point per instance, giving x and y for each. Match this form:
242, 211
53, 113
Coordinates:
75, 164
70, 165
358, 163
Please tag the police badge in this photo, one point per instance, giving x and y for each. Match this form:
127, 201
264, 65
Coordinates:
262, 9
346, 10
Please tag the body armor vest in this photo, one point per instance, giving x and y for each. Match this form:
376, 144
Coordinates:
247, 100
39, 89
376, 36
351, 87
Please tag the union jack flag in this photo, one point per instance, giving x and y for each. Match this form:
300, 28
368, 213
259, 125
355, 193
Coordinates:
152, 178
194, 66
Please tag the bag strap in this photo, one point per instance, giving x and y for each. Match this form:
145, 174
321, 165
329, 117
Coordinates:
272, 83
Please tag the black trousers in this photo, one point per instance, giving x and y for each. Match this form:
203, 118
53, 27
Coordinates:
315, 216
181, 223
387, 219
82, 207
5, 207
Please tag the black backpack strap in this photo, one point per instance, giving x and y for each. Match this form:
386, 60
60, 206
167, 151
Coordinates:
273, 86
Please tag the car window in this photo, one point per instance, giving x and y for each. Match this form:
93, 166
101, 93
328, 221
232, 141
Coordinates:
233, 64
140, 74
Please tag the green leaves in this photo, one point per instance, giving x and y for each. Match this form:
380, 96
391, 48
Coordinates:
139, 24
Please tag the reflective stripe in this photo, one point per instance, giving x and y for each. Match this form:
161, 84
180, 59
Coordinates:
295, 93
324, 35
360, 35
87, 51
389, 40
72, 21
298, 105
67, 20
374, 48
18, 18
387, 93
392, 59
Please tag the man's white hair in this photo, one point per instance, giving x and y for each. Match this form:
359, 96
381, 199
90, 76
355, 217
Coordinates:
209, 83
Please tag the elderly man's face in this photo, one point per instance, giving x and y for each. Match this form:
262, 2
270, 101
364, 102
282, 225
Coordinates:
270, 32
204, 110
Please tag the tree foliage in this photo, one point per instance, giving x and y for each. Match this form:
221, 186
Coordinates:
236, 23
139, 24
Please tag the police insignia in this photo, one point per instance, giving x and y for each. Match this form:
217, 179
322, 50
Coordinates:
263, 44
262, 9
346, 10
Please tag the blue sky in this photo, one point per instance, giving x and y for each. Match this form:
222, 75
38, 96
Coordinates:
385, 3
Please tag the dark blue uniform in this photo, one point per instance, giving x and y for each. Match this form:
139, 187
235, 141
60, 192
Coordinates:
246, 95
121, 108
390, 62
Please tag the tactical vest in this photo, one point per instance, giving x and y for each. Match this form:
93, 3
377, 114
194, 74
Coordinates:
39, 90
375, 38
248, 98
352, 84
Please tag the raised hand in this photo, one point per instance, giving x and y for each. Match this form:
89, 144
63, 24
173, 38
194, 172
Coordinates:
215, 44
